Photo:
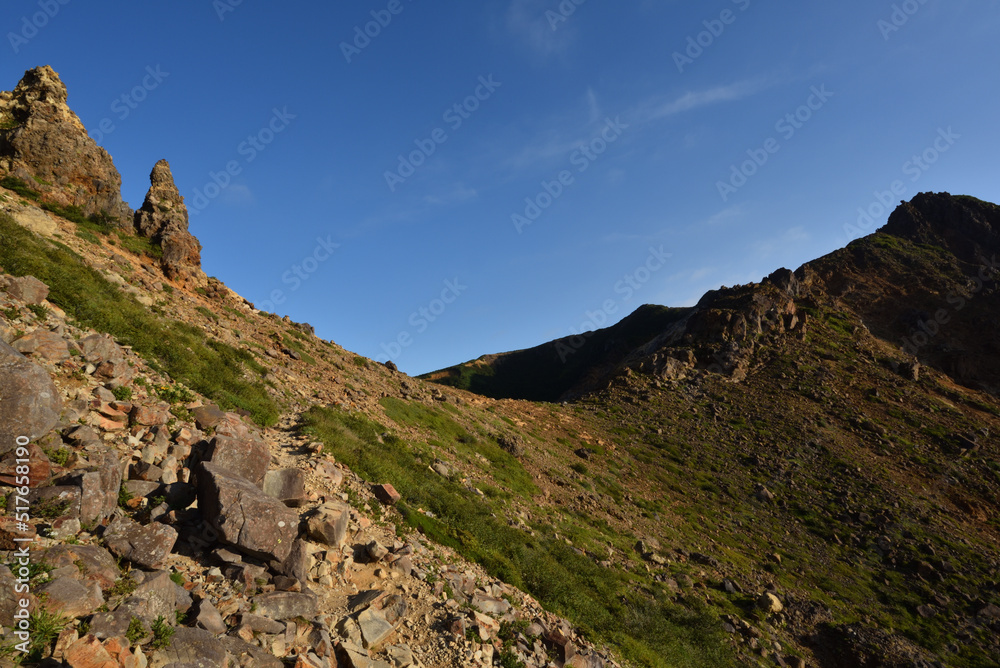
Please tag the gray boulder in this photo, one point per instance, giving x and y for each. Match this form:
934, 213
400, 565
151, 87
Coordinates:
147, 546
29, 401
244, 516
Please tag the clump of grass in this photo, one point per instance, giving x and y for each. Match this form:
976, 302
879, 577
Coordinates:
20, 187
140, 245
43, 629
122, 393
230, 377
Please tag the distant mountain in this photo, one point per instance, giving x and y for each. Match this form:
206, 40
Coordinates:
926, 281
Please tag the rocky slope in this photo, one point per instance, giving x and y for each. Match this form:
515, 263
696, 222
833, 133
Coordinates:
765, 479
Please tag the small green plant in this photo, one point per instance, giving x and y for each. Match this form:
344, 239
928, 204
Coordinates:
40, 311
177, 578
135, 632
122, 393
360, 362
175, 394
122, 587
43, 629
10, 313
50, 509
580, 468
207, 313
124, 496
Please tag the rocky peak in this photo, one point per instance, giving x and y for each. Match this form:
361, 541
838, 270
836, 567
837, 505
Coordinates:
968, 227
44, 143
163, 219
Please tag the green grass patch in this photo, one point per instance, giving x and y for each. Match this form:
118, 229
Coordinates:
226, 375
20, 187
604, 603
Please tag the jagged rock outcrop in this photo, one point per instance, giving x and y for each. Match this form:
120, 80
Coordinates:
43, 143
163, 219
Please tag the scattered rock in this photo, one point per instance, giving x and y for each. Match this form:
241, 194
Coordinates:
145, 545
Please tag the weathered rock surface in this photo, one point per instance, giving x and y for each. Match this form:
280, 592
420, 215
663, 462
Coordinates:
49, 143
29, 401
99, 486
244, 516
147, 546
246, 458
163, 219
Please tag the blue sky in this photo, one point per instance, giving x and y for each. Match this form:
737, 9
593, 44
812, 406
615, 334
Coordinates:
592, 115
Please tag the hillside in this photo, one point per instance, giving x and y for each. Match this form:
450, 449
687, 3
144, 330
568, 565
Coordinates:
763, 479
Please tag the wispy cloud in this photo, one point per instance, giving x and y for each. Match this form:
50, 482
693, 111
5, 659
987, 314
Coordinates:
526, 21
459, 193
658, 109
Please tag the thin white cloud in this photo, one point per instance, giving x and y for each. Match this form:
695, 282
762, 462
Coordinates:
656, 110
238, 195
593, 105
458, 194
527, 22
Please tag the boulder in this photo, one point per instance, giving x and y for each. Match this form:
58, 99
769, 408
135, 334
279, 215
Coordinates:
286, 605
91, 563
244, 516
147, 546
329, 524
286, 485
191, 647
245, 654
98, 348
247, 458
386, 493
88, 652
29, 401
43, 344
99, 486
375, 630
207, 417
28, 289
71, 597
207, 617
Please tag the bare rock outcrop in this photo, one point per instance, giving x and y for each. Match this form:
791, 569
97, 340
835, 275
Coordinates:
163, 218
43, 143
